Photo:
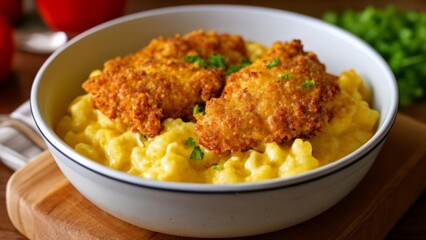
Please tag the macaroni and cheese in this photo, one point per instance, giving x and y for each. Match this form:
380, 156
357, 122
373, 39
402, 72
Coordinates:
167, 156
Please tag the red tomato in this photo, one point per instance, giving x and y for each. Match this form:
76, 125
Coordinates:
74, 16
11, 9
7, 47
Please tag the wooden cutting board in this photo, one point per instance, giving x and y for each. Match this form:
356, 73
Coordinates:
42, 204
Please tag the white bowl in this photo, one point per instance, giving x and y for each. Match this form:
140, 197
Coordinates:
206, 210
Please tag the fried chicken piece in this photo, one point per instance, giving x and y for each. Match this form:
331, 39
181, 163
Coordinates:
156, 83
285, 95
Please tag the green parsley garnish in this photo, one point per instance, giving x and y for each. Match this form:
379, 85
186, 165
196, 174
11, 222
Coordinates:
399, 36
196, 154
198, 109
235, 68
190, 142
195, 59
273, 63
218, 167
232, 69
216, 60
308, 83
285, 76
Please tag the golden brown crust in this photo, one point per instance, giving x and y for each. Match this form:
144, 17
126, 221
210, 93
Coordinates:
208, 43
269, 104
156, 83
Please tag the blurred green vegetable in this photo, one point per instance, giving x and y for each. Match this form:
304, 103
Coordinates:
399, 36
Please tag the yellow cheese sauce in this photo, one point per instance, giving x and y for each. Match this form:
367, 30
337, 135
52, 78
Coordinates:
167, 156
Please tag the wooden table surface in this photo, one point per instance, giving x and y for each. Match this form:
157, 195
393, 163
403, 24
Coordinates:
16, 90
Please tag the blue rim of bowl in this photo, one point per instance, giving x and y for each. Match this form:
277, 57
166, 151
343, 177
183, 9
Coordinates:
237, 188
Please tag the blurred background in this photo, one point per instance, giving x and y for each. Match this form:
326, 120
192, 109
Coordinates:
31, 29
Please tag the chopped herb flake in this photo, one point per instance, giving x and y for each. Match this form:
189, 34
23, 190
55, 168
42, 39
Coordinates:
190, 142
273, 63
198, 110
235, 68
308, 83
285, 76
232, 69
218, 167
216, 60
195, 59
196, 154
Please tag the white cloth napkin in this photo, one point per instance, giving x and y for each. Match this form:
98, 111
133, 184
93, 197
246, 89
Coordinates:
15, 148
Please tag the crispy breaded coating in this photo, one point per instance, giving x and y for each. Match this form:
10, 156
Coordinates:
285, 95
231, 46
156, 83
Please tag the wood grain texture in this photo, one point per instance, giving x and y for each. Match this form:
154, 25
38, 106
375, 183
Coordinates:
42, 204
